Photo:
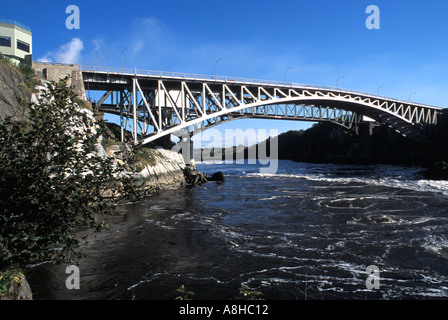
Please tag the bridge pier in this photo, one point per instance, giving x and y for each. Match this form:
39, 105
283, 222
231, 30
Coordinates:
365, 128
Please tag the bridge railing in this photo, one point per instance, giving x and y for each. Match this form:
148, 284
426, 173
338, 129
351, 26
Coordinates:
177, 75
202, 77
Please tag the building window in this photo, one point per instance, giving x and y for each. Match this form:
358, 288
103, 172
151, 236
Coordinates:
23, 46
5, 41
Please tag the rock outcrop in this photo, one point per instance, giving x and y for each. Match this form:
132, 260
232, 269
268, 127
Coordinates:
17, 289
12, 91
167, 171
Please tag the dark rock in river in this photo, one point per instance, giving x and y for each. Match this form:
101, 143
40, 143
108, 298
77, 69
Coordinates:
193, 176
217, 176
438, 171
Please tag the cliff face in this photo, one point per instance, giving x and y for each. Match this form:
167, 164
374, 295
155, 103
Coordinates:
12, 91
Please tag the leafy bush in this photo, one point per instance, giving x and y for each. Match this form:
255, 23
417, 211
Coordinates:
52, 180
248, 294
6, 278
31, 79
184, 293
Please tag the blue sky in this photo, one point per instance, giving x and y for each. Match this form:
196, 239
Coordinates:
321, 40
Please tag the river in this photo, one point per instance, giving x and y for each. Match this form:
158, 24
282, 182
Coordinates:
307, 232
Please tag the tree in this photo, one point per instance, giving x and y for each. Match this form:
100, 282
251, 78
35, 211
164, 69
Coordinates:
53, 180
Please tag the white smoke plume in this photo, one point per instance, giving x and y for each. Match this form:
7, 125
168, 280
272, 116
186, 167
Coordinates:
67, 53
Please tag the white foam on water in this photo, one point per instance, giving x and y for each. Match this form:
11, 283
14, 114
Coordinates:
437, 244
404, 181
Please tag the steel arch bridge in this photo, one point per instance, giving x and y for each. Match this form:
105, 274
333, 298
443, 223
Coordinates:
153, 104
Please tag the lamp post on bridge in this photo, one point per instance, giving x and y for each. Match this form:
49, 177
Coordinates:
122, 53
216, 64
287, 71
411, 95
378, 90
337, 82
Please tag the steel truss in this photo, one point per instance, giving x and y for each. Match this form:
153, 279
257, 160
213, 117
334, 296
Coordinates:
154, 105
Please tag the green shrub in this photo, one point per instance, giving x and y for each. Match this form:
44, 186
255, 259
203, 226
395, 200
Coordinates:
184, 293
52, 180
6, 278
31, 79
248, 294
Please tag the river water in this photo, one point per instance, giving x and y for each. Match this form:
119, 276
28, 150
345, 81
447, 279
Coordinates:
307, 232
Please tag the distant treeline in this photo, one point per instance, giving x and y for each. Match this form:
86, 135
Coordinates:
327, 142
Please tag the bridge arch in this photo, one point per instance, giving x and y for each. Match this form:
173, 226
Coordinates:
355, 110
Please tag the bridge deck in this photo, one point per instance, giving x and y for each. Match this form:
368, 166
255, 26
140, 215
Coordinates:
121, 78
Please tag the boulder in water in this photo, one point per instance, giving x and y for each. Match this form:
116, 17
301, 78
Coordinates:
217, 176
437, 171
193, 176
